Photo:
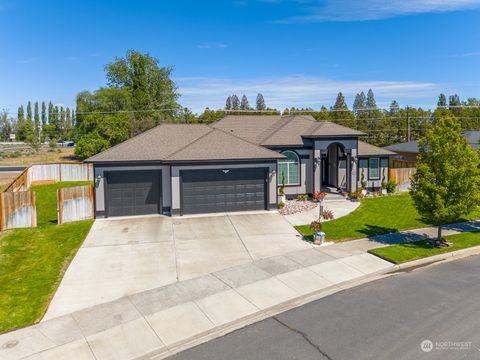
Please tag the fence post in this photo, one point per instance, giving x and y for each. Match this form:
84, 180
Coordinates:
34, 208
60, 206
2, 213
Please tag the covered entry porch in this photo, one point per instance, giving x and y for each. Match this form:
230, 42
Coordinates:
336, 166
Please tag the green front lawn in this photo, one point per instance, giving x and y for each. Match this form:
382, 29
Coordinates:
401, 253
33, 260
375, 216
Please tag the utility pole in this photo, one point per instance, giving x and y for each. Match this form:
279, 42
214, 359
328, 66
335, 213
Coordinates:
408, 124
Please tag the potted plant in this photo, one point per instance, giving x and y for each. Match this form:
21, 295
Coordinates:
384, 183
363, 183
281, 191
318, 234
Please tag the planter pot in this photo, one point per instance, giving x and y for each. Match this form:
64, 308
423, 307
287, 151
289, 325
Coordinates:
282, 198
384, 192
318, 237
363, 192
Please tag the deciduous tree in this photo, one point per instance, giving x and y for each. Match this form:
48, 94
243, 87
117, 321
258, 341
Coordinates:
446, 185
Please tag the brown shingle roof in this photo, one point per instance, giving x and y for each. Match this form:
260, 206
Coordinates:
365, 149
219, 145
177, 142
252, 128
154, 144
290, 131
327, 128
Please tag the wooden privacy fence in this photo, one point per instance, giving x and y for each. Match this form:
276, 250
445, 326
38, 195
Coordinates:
17, 210
21, 183
51, 173
402, 177
61, 172
75, 203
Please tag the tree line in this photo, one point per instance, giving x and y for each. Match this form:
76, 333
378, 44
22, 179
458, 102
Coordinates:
38, 123
140, 94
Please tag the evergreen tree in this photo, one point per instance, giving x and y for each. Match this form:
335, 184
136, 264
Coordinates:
340, 103
341, 115
20, 128
442, 100
371, 103
44, 122
446, 185
359, 103
68, 124
228, 103
235, 102
260, 103
36, 123
244, 103
29, 111
50, 111
454, 100
394, 107
62, 123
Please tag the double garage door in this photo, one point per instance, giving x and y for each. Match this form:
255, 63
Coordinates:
222, 190
201, 191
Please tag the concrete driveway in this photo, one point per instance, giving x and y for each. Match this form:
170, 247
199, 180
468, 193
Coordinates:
124, 256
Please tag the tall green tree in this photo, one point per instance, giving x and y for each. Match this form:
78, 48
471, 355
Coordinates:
36, 122
341, 114
228, 103
153, 93
359, 103
20, 127
442, 100
62, 126
44, 122
446, 185
260, 103
244, 105
235, 102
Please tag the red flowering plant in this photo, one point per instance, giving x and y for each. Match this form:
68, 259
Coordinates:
319, 195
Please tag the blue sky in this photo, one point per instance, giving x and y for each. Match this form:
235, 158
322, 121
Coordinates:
296, 52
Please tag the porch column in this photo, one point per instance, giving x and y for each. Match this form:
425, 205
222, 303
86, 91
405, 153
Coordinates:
349, 170
353, 169
317, 170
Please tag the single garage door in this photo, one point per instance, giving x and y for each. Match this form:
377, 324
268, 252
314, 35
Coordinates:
133, 192
208, 191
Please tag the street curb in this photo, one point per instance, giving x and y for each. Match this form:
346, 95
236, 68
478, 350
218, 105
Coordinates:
305, 299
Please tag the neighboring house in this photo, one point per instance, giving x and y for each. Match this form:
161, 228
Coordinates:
235, 164
408, 151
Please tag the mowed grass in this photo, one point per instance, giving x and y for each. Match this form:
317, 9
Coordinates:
33, 260
401, 253
375, 216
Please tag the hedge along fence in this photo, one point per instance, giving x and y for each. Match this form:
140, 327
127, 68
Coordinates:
17, 210
75, 203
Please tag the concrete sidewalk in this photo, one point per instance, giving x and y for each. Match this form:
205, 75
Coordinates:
162, 320
158, 320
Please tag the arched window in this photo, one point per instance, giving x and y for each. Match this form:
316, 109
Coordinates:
289, 169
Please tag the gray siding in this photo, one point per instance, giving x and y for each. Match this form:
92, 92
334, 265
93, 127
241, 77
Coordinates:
363, 165
306, 173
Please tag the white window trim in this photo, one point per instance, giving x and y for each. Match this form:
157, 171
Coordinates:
287, 175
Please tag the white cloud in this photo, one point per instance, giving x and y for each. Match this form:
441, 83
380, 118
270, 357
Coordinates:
295, 90
362, 10
212, 46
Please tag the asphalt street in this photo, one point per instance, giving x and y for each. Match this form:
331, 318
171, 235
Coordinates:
429, 313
